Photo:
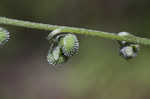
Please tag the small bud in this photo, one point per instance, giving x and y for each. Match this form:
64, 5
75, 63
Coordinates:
69, 44
4, 36
127, 49
128, 52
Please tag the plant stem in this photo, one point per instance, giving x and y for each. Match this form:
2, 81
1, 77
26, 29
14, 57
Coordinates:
48, 27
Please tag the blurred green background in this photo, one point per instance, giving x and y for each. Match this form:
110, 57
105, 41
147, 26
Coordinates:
97, 72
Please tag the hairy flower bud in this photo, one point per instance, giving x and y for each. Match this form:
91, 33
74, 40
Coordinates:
127, 49
4, 36
55, 56
69, 44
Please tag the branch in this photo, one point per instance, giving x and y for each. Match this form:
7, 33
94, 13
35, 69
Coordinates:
48, 27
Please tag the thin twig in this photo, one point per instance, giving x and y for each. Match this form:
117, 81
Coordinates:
48, 27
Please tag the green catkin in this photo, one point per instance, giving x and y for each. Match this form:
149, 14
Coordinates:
63, 46
69, 44
4, 36
55, 56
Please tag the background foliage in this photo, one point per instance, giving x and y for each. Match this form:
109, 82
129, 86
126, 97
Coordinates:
97, 72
